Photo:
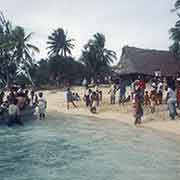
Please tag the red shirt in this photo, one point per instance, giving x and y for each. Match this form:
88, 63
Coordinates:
142, 84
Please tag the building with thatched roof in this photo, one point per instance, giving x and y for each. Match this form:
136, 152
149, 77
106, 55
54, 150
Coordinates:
147, 62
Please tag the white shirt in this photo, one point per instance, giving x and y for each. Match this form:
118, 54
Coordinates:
12, 110
160, 87
42, 103
171, 94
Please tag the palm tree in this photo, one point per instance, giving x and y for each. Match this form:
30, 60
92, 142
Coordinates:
6, 50
95, 56
106, 56
176, 5
23, 51
175, 37
59, 43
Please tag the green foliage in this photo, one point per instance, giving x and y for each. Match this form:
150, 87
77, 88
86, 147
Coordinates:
96, 58
176, 5
15, 51
175, 33
59, 43
65, 67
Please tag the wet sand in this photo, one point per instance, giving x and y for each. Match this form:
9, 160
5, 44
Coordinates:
158, 121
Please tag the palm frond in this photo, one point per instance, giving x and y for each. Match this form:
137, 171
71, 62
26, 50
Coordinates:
34, 48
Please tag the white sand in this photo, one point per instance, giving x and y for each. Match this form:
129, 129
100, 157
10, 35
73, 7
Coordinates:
158, 121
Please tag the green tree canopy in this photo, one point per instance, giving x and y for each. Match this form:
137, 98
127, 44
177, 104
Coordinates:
16, 51
59, 43
175, 33
96, 57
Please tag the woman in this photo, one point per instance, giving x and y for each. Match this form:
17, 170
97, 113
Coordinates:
171, 101
138, 108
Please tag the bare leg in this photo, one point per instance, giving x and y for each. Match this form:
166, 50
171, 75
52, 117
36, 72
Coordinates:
67, 105
73, 104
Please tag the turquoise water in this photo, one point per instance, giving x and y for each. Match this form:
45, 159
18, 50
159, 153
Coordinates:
86, 149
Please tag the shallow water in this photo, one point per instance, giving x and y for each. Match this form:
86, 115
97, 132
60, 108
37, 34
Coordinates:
82, 148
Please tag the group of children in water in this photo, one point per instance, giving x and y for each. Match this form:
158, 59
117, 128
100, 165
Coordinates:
19, 99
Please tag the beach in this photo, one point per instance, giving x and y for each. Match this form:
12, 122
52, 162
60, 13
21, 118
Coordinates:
158, 121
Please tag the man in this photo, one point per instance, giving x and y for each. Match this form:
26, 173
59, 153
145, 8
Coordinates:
122, 91
112, 92
69, 98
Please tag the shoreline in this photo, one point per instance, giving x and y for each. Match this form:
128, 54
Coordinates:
158, 121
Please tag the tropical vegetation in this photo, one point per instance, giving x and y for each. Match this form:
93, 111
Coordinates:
175, 32
59, 43
96, 57
16, 52
18, 63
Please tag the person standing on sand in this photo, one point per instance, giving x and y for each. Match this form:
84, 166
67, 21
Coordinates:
112, 91
122, 91
69, 98
42, 106
153, 98
95, 101
171, 101
138, 107
142, 85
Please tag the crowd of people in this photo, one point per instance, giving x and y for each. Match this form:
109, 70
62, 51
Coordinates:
92, 98
17, 100
142, 93
160, 91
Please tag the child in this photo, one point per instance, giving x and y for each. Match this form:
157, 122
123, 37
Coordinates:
42, 106
33, 99
153, 99
94, 98
14, 113
147, 99
159, 93
87, 96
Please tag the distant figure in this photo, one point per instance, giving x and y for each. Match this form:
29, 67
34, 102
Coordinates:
76, 96
95, 99
122, 91
142, 85
2, 94
69, 98
171, 102
147, 101
87, 97
84, 82
138, 107
178, 90
14, 114
33, 99
159, 92
26, 98
42, 106
153, 97
112, 93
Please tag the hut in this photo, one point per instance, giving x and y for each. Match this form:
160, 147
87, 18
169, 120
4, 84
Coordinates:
137, 61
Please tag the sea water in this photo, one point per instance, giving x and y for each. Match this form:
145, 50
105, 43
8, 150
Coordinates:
81, 148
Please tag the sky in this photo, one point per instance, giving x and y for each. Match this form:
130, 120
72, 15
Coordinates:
139, 23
